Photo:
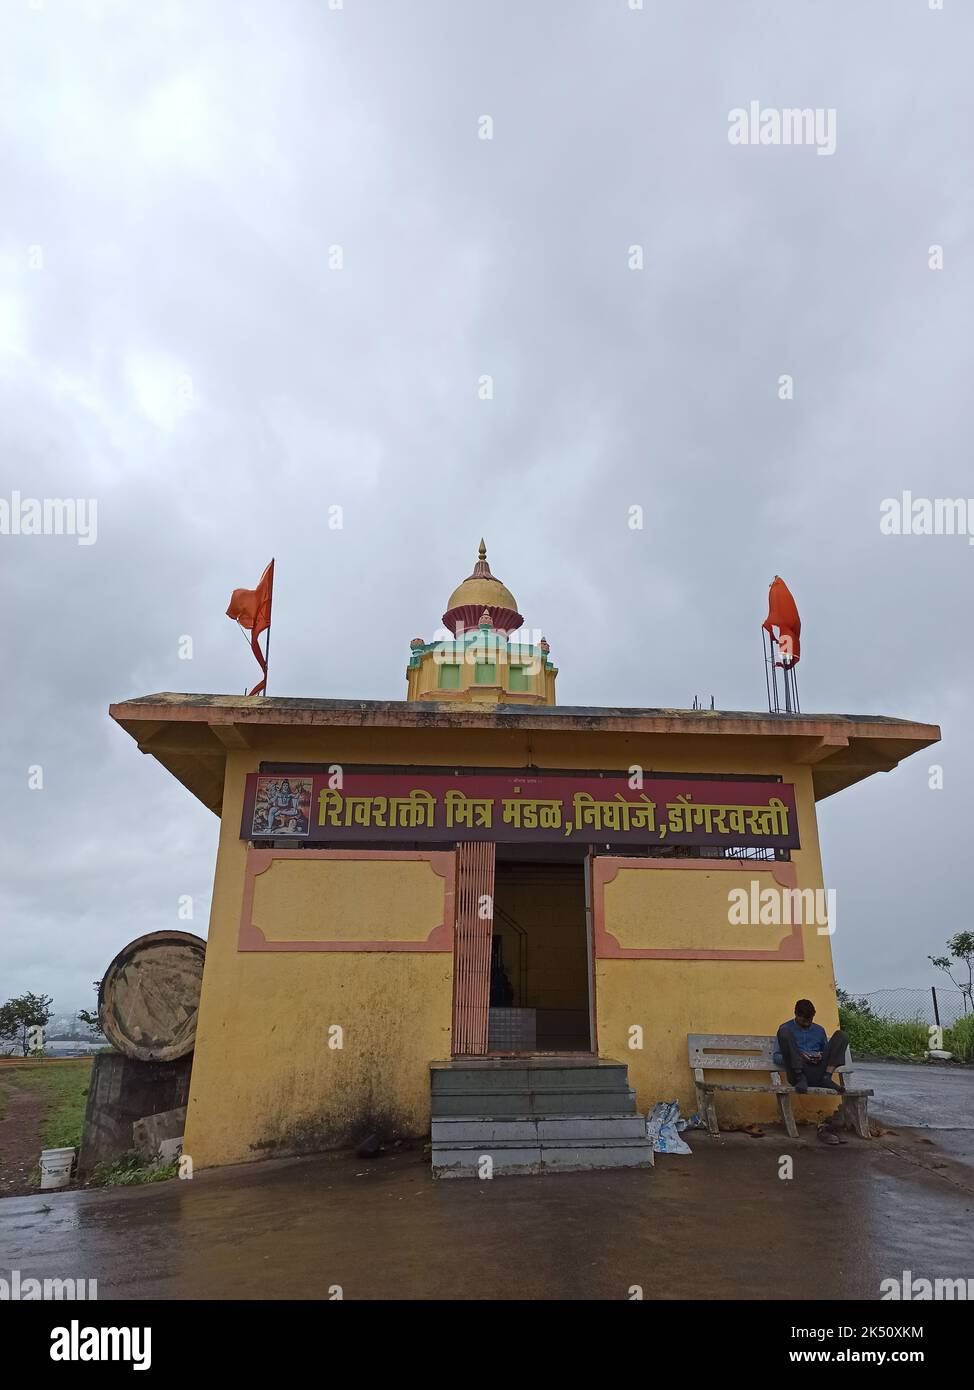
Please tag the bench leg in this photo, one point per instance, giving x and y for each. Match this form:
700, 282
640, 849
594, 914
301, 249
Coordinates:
854, 1113
708, 1109
788, 1116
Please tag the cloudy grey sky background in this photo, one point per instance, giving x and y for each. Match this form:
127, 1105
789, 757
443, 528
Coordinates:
184, 355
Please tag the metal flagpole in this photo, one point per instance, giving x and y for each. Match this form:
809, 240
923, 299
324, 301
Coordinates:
267, 640
250, 649
764, 654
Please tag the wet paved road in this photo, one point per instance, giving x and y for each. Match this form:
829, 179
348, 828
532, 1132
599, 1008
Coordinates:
719, 1224
939, 1101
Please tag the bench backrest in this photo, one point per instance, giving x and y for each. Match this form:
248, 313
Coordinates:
732, 1051
736, 1052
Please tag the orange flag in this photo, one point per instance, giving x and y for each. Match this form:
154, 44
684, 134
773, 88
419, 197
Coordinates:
783, 614
252, 610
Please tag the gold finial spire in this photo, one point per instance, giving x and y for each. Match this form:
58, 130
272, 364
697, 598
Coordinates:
481, 569
478, 591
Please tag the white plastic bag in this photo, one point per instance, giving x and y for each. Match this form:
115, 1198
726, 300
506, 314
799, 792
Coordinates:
661, 1128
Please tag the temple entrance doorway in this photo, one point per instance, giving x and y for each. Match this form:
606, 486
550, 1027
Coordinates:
541, 961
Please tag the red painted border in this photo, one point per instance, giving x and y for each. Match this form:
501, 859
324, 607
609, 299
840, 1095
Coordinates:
442, 862
607, 947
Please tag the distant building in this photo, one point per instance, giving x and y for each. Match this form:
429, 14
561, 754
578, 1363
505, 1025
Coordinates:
477, 871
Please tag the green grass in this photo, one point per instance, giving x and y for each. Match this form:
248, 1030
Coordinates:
63, 1086
129, 1171
960, 1039
908, 1039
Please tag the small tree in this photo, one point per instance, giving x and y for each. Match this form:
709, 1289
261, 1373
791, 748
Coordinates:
848, 1001
961, 948
19, 1016
90, 1017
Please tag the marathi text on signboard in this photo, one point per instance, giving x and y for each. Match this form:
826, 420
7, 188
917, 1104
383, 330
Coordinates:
509, 806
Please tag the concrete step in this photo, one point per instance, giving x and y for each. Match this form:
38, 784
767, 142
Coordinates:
496, 1116
577, 1160
498, 1103
528, 1074
534, 1159
483, 1132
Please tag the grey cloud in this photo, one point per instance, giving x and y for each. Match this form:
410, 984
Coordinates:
186, 357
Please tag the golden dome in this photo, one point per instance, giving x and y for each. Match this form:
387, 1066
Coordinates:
481, 589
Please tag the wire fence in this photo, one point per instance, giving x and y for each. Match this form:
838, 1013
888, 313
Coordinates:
935, 1005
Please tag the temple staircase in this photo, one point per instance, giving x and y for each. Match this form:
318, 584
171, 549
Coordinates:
534, 1114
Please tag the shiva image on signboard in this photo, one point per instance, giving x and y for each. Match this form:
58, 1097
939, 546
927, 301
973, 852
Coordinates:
282, 806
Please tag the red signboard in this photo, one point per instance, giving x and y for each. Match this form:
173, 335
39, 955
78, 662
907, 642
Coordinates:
336, 807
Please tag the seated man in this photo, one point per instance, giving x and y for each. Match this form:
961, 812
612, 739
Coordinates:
807, 1053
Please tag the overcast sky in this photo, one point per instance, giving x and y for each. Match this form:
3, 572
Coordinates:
176, 346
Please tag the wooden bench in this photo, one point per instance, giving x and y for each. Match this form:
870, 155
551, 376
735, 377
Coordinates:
754, 1053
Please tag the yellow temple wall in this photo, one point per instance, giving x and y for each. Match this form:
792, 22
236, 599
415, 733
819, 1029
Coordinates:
272, 1073
266, 1080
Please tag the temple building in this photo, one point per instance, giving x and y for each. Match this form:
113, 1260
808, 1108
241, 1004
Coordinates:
478, 915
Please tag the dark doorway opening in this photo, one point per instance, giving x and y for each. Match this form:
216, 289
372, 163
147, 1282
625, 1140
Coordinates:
540, 959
